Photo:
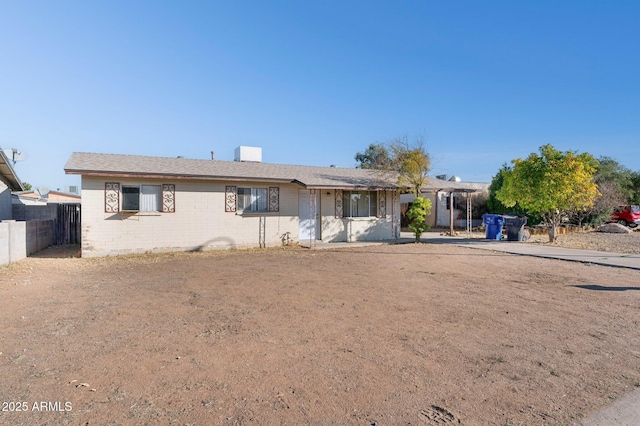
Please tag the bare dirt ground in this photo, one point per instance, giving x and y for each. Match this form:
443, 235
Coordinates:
384, 335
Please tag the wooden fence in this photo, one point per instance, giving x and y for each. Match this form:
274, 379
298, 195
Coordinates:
68, 230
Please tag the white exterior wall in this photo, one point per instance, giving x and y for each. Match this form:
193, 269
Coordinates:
360, 228
444, 214
199, 222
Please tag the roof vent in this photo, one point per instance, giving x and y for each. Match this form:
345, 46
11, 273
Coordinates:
454, 179
248, 153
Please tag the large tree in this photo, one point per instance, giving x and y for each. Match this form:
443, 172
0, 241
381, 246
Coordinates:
635, 179
615, 187
412, 163
493, 204
609, 170
551, 183
376, 156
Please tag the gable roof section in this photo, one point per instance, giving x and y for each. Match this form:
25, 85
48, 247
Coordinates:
118, 165
8, 175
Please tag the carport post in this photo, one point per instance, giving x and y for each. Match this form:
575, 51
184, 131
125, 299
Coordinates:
451, 213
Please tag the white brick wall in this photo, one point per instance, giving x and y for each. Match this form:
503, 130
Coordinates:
357, 229
5, 248
201, 223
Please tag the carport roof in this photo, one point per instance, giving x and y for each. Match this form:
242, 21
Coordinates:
435, 185
312, 177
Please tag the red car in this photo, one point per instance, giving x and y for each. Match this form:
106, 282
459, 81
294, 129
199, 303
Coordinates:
626, 215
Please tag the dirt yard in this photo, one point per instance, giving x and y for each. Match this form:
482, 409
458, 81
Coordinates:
383, 335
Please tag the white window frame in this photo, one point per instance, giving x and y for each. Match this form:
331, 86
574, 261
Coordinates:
352, 211
258, 199
141, 193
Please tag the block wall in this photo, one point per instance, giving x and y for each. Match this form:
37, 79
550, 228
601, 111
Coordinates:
13, 241
4, 243
39, 234
28, 212
20, 239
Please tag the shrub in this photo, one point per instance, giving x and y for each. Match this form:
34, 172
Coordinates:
418, 211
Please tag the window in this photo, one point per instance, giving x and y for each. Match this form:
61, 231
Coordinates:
448, 201
253, 200
360, 203
144, 198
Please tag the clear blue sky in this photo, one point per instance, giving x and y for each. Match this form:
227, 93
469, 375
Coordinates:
316, 82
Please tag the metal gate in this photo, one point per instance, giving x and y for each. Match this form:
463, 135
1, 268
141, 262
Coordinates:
68, 230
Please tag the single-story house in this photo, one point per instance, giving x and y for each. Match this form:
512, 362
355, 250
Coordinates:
9, 181
134, 204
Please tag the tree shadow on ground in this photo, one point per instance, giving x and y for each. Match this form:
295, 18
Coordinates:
596, 287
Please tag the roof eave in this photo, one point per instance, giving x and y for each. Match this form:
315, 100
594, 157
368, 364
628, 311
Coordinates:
172, 176
354, 187
8, 175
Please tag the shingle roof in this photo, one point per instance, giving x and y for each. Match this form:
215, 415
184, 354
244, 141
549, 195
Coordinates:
85, 163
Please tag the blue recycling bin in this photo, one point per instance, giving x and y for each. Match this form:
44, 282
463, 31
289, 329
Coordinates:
493, 223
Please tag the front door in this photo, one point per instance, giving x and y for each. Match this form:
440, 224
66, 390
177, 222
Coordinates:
308, 213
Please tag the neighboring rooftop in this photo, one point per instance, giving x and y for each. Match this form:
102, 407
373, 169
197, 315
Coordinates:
51, 196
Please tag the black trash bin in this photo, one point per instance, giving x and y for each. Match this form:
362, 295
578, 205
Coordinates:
515, 227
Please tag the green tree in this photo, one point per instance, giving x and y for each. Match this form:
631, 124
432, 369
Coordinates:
550, 184
635, 179
493, 204
417, 213
412, 163
409, 161
615, 187
609, 170
376, 156
26, 186
609, 197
